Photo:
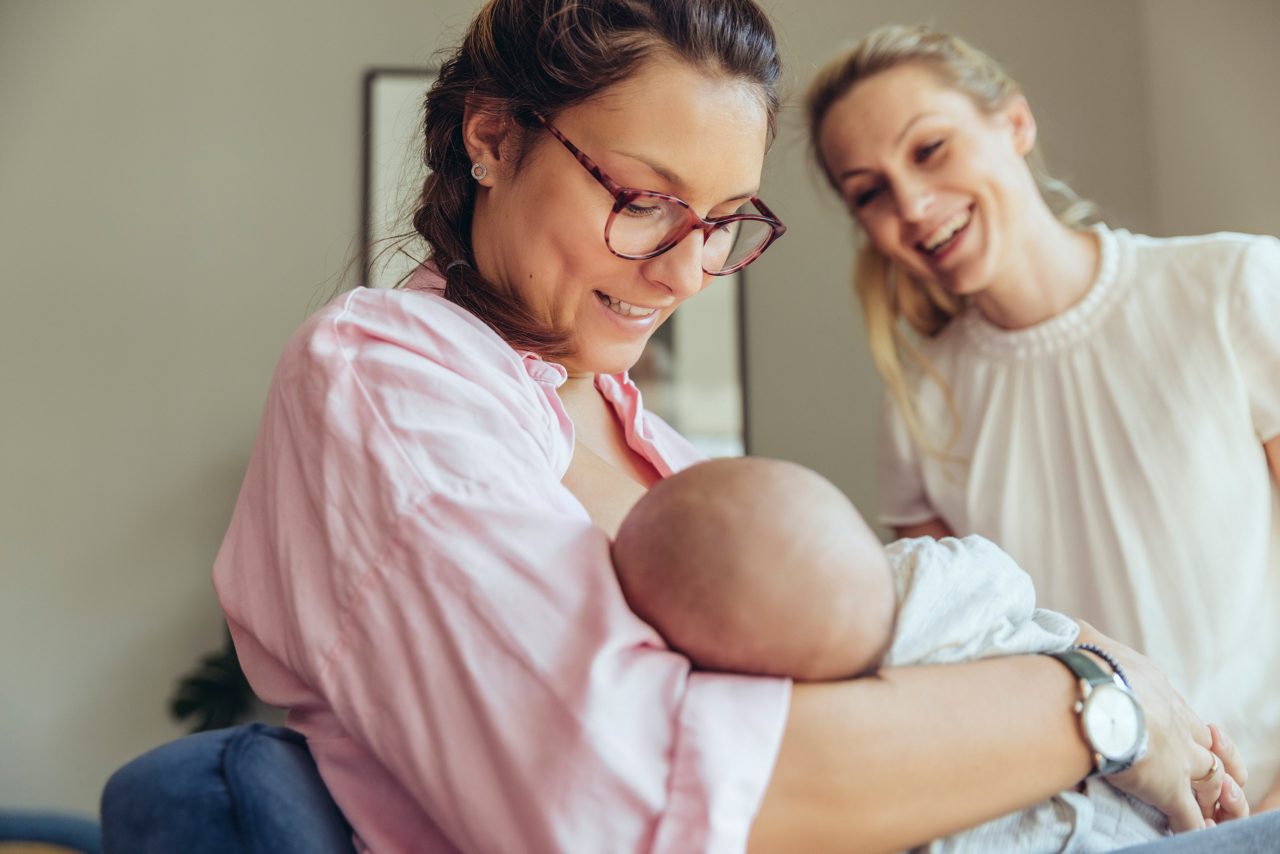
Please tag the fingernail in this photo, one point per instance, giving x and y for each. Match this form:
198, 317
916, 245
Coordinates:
1233, 790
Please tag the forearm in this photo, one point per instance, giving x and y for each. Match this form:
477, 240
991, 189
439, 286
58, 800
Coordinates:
918, 753
936, 528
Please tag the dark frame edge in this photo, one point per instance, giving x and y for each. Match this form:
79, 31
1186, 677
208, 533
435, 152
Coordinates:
370, 77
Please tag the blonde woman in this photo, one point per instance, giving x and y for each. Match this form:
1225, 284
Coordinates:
1104, 405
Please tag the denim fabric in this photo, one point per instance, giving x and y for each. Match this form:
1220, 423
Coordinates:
245, 790
1259, 834
73, 832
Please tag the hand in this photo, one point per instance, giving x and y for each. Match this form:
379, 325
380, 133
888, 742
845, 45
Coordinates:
1179, 747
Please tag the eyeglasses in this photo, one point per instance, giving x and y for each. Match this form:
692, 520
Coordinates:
644, 223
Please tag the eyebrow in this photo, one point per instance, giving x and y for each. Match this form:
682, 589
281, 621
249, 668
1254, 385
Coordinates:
849, 173
674, 179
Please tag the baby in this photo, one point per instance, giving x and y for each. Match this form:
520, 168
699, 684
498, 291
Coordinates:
762, 566
758, 566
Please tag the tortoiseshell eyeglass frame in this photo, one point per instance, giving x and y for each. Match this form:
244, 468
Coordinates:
623, 196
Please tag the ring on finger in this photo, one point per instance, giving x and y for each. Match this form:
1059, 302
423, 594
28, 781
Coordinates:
1213, 769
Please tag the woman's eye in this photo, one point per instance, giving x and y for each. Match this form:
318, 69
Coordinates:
866, 197
637, 210
926, 151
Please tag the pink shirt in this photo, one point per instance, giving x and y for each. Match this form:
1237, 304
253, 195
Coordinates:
406, 574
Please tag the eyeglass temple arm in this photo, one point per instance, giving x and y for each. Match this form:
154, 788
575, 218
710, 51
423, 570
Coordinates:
608, 183
764, 209
616, 189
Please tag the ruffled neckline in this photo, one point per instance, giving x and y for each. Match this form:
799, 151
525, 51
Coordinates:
1062, 330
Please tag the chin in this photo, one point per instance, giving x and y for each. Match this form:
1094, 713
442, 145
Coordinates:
617, 366
611, 361
961, 283
968, 286
958, 287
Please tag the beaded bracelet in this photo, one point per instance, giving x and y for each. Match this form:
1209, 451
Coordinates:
1107, 657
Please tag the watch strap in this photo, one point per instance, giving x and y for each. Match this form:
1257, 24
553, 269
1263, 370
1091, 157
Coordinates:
1083, 666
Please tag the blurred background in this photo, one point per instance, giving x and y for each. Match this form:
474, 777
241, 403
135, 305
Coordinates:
180, 186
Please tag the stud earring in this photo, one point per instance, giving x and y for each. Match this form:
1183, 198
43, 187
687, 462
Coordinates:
479, 171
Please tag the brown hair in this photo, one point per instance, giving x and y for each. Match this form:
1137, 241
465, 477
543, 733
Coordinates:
888, 296
525, 58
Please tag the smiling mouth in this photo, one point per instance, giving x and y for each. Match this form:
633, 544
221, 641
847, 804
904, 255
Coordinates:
625, 309
945, 235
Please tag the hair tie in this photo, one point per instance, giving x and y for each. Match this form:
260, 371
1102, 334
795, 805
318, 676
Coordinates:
458, 263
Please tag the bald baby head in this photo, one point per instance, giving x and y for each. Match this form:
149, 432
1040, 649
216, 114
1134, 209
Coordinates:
758, 566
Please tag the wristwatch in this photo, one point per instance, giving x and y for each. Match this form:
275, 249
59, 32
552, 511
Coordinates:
1110, 715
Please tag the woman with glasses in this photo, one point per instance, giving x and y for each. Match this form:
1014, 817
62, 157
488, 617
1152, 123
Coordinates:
418, 565
1104, 405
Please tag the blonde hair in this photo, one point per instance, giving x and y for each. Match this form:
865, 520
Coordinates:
887, 294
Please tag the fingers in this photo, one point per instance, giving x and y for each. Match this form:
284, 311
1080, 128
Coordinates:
1230, 756
1207, 788
1231, 801
1217, 793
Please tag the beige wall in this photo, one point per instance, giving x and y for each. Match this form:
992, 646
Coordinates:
179, 185
1215, 114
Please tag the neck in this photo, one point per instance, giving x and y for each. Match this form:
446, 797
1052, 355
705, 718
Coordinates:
1049, 270
577, 389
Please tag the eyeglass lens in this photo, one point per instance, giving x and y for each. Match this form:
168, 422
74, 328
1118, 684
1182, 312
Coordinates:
647, 225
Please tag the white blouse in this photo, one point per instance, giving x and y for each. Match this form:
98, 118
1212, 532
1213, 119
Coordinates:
1115, 451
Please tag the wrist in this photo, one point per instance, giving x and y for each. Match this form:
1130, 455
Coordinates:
1107, 711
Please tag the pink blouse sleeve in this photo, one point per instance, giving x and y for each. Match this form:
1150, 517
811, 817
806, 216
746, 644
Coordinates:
430, 579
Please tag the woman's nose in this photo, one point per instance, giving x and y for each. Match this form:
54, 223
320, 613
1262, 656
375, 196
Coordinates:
679, 269
914, 200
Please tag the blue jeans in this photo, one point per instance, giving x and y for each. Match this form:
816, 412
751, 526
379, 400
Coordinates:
1258, 834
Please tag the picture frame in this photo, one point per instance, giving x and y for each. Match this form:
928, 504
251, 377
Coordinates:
692, 373
392, 172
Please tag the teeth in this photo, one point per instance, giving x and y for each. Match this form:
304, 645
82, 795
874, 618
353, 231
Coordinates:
946, 231
625, 309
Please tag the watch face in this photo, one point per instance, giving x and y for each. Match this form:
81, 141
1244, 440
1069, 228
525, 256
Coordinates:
1113, 721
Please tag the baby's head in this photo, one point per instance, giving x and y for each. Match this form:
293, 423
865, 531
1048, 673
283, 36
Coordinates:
758, 566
